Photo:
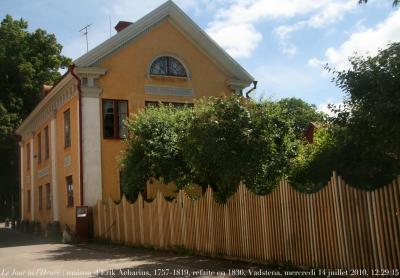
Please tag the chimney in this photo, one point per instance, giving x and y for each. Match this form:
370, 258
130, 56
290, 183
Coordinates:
122, 25
46, 89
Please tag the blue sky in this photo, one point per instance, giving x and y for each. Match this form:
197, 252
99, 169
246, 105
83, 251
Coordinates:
284, 44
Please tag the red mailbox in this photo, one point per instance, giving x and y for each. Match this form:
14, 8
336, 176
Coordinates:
82, 223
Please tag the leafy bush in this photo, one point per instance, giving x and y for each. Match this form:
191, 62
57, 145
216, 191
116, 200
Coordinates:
312, 167
218, 143
153, 150
229, 140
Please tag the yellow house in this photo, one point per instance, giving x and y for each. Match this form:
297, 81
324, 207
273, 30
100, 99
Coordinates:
72, 140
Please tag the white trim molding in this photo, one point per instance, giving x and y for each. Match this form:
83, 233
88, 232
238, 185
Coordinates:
168, 91
63, 92
237, 85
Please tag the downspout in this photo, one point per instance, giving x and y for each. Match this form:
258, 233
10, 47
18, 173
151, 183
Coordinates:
252, 89
71, 69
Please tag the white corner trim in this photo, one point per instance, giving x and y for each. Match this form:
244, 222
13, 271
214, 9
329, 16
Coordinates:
54, 174
32, 169
91, 149
91, 92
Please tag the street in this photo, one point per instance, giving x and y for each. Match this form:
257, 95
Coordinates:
26, 255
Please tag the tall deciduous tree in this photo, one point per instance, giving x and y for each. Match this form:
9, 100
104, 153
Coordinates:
27, 61
300, 113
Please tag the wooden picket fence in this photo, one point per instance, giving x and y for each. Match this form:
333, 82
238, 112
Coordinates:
337, 227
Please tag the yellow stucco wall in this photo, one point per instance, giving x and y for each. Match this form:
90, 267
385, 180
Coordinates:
67, 214
127, 75
44, 215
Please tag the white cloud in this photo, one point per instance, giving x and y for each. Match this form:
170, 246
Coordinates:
324, 107
238, 40
242, 16
329, 13
284, 81
314, 63
366, 42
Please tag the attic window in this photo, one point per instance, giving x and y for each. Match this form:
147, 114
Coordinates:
167, 66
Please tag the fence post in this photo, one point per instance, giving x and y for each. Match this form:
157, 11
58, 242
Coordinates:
112, 223
338, 219
125, 212
243, 220
209, 199
140, 204
98, 209
227, 230
159, 198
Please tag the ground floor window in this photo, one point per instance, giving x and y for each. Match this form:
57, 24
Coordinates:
114, 115
40, 197
70, 191
48, 196
28, 199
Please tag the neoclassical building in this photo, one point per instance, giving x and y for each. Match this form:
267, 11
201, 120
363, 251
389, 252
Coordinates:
72, 140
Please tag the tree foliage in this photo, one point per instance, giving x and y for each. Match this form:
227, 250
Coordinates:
218, 143
154, 149
27, 61
363, 136
300, 113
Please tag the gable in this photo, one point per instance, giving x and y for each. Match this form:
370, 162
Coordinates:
128, 68
177, 17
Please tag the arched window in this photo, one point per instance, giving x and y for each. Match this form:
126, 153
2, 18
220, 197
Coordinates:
169, 66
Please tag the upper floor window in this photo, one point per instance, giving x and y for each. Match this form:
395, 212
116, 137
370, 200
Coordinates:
67, 129
46, 143
114, 115
39, 141
167, 66
28, 156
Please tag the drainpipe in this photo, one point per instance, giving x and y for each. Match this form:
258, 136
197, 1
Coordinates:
71, 69
252, 89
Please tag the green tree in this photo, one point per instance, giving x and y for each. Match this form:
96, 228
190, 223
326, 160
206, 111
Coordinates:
367, 125
27, 61
370, 115
361, 141
300, 113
